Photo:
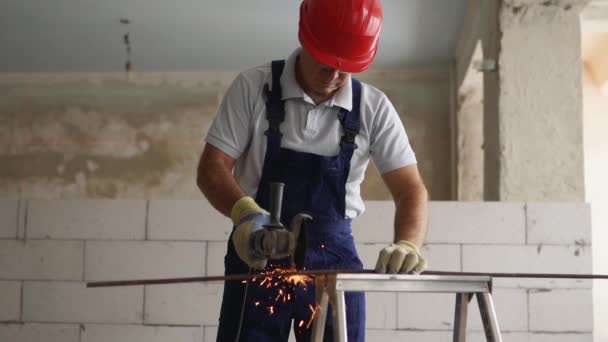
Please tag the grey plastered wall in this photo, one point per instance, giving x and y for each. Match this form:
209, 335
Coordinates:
101, 135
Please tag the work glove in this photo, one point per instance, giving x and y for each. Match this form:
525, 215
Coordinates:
400, 257
248, 217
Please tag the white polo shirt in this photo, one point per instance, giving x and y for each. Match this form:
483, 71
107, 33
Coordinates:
239, 126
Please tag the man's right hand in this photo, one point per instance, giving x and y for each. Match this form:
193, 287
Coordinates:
248, 217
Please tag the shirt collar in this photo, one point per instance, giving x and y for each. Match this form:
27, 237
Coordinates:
291, 89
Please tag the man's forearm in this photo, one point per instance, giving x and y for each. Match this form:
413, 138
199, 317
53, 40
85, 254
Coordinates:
217, 183
411, 215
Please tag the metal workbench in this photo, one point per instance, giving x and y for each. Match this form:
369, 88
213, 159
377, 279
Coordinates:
330, 288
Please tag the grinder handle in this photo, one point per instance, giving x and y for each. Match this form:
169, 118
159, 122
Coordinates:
276, 201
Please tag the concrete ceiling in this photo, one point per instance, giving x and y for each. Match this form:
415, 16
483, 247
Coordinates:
179, 35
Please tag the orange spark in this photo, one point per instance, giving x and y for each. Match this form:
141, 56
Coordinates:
284, 282
312, 316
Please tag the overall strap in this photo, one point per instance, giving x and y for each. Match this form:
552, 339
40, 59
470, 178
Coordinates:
275, 112
350, 120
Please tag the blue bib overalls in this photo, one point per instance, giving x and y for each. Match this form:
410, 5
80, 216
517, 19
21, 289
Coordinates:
315, 185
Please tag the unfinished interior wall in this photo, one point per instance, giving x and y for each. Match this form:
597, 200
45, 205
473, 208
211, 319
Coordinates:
49, 249
470, 132
595, 115
532, 102
103, 136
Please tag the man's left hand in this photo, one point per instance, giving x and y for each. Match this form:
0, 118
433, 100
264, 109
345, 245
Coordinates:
401, 257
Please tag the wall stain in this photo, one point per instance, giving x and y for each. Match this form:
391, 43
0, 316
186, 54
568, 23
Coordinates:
107, 137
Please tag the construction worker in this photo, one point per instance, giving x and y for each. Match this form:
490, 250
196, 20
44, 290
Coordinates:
307, 123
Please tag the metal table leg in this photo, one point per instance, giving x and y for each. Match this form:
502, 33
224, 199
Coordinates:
322, 299
488, 317
460, 316
339, 317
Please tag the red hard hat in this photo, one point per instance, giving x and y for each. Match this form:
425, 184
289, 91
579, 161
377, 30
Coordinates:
342, 34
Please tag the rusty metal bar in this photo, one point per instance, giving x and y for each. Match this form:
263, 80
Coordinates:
313, 273
521, 275
217, 278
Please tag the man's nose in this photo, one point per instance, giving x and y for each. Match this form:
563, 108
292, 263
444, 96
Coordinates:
330, 73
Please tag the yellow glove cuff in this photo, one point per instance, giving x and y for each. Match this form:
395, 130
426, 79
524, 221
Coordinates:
243, 207
407, 244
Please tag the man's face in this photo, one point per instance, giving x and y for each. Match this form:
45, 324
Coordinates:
319, 81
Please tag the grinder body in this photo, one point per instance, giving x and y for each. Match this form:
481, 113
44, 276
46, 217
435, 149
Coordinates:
274, 240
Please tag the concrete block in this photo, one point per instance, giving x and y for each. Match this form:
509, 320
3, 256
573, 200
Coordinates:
41, 260
9, 210
183, 304
74, 302
547, 283
478, 336
442, 257
131, 333
375, 225
526, 259
476, 222
39, 332
431, 311
425, 311
86, 219
210, 333
115, 260
439, 257
368, 253
511, 307
559, 223
381, 309
10, 301
374, 335
22, 219
216, 251
186, 220
561, 311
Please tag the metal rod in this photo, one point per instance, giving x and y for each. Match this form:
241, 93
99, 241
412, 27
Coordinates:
521, 275
313, 273
218, 278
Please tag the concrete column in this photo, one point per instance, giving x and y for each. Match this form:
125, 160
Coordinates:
470, 132
533, 145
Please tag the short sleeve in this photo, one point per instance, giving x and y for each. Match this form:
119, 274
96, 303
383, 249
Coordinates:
230, 131
389, 144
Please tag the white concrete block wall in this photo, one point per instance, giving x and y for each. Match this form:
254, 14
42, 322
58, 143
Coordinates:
114, 260
33, 332
558, 223
8, 218
50, 249
186, 220
183, 304
10, 301
129, 333
86, 219
73, 302
477, 222
41, 259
